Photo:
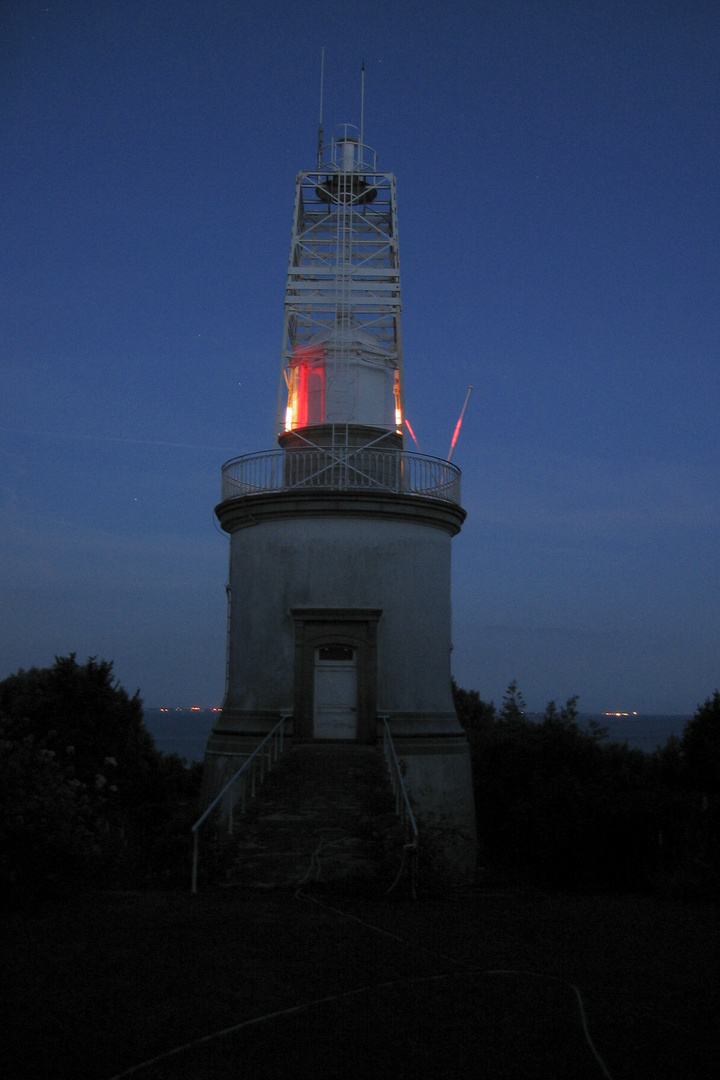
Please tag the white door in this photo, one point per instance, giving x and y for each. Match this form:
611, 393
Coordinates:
335, 702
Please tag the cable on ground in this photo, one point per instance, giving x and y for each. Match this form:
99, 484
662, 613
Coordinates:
468, 969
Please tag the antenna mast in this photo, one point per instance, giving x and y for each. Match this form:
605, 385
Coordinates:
459, 424
320, 123
362, 111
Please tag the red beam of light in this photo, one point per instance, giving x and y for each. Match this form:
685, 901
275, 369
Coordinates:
459, 424
455, 437
413, 435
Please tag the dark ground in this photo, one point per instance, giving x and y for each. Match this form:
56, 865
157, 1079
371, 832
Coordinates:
97, 985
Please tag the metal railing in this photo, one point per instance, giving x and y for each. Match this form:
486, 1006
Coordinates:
402, 809
259, 762
345, 469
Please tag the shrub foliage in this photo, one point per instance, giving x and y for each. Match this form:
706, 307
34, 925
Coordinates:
85, 796
560, 805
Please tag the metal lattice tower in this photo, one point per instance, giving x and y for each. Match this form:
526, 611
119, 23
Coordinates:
342, 355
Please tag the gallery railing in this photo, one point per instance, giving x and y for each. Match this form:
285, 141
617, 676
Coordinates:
345, 469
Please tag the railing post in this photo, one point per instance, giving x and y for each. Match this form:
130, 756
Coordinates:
268, 746
402, 804
195, 861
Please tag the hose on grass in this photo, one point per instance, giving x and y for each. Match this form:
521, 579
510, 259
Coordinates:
313, 873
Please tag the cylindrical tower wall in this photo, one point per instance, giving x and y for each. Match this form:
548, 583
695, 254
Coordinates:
311, 568
398, 566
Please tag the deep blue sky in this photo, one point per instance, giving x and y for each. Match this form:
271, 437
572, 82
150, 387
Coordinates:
558, 189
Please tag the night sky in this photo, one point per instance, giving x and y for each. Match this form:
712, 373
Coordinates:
558, 191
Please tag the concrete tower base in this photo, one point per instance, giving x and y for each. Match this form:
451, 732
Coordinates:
341, 618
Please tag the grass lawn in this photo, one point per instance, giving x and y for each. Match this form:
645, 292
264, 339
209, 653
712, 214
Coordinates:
480, 984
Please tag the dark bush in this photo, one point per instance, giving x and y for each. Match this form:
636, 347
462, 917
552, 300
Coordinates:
563, 807
85, 796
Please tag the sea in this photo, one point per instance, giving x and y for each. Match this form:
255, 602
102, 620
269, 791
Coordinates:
185, 731
639, 731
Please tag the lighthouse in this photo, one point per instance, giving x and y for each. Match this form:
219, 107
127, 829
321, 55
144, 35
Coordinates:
339, 613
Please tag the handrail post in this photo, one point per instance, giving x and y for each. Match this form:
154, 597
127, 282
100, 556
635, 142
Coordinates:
195, 861
402, 805
249, 766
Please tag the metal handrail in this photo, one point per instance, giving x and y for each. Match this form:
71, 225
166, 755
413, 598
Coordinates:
267, 752
402, 805
345, 469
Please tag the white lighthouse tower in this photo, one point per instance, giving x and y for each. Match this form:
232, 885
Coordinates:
340, 538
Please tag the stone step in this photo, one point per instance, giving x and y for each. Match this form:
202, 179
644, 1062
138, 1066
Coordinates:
325, 814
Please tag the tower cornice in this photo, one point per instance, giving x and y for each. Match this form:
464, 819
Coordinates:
249, 510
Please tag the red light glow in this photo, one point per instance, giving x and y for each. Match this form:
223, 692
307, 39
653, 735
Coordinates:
455, 434
407, 422
459, 423
306, 403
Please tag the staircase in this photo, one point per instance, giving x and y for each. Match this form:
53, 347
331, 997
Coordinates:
325, 814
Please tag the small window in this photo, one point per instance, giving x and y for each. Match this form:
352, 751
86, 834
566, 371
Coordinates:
335, 652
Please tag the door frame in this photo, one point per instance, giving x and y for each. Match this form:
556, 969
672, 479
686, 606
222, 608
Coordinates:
356, 627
